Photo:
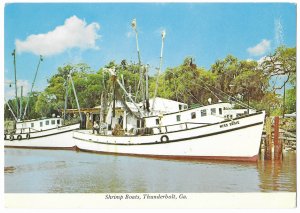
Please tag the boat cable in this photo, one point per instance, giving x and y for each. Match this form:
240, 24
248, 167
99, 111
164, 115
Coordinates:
10, 109
34, 79
238, 101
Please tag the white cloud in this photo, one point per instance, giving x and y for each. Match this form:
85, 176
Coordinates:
260, 48
74, 33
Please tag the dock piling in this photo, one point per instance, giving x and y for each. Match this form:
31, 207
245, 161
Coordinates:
268, 141
277, 141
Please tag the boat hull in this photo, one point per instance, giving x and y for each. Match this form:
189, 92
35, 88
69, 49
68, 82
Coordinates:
58, 138
238, 139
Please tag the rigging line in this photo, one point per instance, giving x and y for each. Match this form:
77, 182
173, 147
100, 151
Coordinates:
206, 87
238, 101
192, 95
11, 110
185, 89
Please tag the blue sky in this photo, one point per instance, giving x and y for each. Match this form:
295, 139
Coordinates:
96, 33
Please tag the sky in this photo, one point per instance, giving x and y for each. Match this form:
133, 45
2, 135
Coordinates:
97, 33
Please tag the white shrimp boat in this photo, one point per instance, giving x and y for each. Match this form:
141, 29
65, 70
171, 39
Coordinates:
48, 133
170, 130
45, 133
227, 135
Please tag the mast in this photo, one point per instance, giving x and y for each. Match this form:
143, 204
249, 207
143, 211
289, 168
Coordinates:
140, 84
114, 97
147, 89
101, 109
74, 91
112, 72
133, 25
28, 99
66, 97
16, 89
163, 34
21, 100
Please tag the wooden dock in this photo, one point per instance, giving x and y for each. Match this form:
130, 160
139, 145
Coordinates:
275, 140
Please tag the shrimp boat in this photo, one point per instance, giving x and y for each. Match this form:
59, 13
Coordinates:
171, 129
216, 132
45, 133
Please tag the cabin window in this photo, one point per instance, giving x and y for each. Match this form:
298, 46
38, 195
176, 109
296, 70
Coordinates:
52, 122
220, 111
157, 121
32, 125
58, 121
47, 122
138, 124
193, 115
143, 123
41, 124
178, 118
203, 112
213, 111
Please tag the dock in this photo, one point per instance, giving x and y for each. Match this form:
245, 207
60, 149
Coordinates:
276, 140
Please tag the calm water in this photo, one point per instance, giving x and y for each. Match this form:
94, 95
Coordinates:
44, 171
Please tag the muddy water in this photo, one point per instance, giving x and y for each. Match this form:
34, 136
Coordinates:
53, 171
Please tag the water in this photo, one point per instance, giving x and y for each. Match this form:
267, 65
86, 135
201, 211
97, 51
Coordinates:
55, 171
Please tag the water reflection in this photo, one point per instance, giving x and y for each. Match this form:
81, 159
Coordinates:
47, 171
278, 175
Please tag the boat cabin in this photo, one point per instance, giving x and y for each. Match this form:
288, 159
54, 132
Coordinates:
200, 115
38, 124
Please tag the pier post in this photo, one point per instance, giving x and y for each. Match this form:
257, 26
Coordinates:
268, 141
277, 141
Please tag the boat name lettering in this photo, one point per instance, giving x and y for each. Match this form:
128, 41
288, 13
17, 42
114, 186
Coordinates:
229, 124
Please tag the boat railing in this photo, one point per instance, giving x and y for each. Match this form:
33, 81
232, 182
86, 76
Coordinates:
175, 127
26, 130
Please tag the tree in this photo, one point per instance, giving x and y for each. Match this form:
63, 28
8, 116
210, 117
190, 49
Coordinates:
43, 104
291, 100
282, 63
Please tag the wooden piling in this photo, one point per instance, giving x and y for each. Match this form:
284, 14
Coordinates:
277, 142
268, 141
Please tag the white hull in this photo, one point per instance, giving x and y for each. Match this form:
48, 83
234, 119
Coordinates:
238, 141
57, 138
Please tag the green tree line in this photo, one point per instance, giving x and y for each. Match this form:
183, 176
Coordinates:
228, 79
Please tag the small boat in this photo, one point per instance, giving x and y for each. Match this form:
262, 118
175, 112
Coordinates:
47, 133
